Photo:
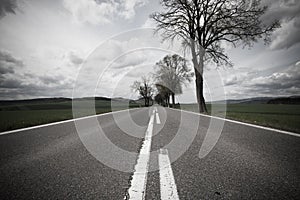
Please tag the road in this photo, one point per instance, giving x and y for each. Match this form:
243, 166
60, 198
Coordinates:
52, 162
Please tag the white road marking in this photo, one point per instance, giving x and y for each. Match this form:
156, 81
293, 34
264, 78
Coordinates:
168, 189
137, 189
243, 123
157, 118
61, 122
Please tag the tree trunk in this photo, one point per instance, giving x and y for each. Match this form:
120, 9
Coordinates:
173, 100
146, 101
167, 100
198, 67
199, 91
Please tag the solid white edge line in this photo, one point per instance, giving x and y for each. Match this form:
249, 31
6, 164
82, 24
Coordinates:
242, 123
137, 190
168, 189
64, 121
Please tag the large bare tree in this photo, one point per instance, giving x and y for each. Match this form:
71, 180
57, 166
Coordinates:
203, 25
144, 88
172, 72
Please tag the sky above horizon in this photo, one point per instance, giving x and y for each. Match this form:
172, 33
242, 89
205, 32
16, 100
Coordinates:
65, 48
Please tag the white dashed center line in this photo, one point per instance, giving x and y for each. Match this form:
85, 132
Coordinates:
168, 189
157, 118
137, 189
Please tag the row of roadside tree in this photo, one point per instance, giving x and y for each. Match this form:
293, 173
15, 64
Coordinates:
203, 27
171, 74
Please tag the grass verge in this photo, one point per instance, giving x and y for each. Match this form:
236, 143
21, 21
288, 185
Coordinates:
279, 116
18, 116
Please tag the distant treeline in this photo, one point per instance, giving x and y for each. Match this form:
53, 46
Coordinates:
285, 100
34, 101
58, 100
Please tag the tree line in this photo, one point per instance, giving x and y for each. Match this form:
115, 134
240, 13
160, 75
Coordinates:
171, 74
202, 26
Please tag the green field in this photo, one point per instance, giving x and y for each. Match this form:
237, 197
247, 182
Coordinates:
280, 116
16, 115
25, 114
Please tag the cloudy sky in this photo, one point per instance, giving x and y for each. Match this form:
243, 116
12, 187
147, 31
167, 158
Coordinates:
65, 48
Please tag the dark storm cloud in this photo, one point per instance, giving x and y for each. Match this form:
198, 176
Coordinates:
8, 83
7, 6
8, 63
8, 58
16, 89
25, 85
288, 13
5, 69
23, 91
281, 9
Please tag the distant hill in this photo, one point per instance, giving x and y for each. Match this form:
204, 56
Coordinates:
60, 99
118, 99
255, 100
34, 101
262, 100
121, 99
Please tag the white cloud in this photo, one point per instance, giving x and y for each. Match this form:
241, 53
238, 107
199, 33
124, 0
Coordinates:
91, 11
285, 82
127, 7
149, 23
102, 12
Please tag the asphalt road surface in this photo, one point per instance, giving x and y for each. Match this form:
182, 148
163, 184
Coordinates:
159, 159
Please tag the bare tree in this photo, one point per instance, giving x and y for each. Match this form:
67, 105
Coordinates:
172, 72
144, 89
203, 24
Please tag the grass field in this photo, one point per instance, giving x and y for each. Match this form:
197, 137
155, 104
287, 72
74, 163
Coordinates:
20, 115
284, 117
